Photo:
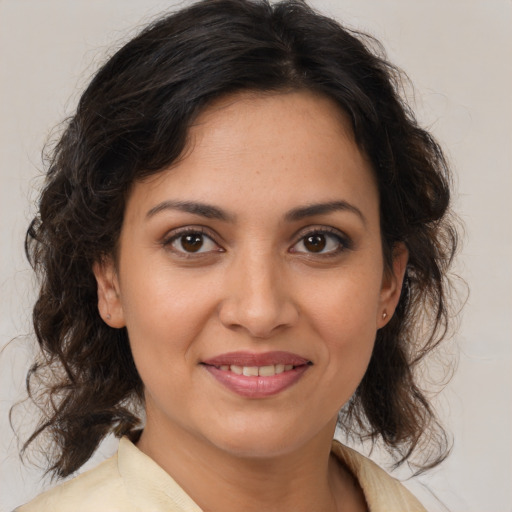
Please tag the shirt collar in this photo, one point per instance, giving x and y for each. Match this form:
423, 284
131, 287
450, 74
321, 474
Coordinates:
148, 485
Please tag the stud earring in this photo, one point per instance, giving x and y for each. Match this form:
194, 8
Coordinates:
384, 315
108, 316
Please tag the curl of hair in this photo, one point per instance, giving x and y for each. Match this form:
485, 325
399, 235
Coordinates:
132, 121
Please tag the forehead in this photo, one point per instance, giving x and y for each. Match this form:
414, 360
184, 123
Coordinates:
255, 150
272, 122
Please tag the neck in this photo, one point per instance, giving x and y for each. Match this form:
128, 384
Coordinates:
307, 478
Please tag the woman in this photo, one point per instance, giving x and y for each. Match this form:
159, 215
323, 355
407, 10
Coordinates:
243, 242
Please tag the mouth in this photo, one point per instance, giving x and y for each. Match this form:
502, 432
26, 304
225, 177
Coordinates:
257, 371
251, 359
257, 375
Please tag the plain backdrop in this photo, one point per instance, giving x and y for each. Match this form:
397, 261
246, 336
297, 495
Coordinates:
458, 53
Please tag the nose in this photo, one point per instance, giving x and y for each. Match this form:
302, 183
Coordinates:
257, 298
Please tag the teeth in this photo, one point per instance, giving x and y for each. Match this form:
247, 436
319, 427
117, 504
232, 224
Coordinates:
250, 371
254, 371
267, 371
237, 369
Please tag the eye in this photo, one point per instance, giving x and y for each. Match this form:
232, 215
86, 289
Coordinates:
192, 242
320, 242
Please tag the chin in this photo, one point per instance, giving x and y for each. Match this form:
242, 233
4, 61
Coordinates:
260, 440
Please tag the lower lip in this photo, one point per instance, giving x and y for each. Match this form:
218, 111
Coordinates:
257, 387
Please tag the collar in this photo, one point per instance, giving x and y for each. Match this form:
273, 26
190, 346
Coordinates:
149, 487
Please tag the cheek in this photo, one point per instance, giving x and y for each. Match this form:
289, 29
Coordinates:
163, 317
344, 315
349, 338
346, 302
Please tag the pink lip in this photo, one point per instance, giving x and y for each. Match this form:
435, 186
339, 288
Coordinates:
252, 386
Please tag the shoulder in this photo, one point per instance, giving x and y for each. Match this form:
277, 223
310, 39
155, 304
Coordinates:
101, 488
129, 481
382, 492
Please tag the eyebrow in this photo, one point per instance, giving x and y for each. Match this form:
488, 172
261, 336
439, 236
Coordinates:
212, 212
303, 212
202, 209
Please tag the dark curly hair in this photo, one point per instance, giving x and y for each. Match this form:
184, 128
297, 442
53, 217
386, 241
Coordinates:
132, 121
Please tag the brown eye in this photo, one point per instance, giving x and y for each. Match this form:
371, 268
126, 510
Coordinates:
321, 243
315, 243
191, 243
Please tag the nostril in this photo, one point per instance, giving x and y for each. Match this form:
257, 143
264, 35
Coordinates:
261, 321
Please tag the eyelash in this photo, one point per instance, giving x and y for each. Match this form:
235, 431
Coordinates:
180, 233
344, 242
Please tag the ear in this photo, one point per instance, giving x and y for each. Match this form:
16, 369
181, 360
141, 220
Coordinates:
109, 302
392, 285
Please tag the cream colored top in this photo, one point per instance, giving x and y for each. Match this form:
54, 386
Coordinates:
130, 481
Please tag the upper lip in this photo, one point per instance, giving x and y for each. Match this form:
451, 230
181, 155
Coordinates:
255, 359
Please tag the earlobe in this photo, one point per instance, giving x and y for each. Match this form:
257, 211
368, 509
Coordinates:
109, 302
392, 284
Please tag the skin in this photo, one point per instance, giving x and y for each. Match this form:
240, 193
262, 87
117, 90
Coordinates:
256, 286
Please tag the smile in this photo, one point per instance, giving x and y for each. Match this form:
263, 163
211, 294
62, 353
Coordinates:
255, 371
257, 375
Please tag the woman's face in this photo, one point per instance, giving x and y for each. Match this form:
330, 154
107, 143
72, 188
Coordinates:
250, 276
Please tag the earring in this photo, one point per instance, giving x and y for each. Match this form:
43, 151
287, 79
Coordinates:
384, 315
108, 316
